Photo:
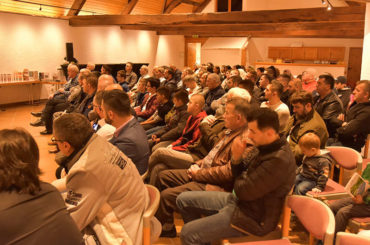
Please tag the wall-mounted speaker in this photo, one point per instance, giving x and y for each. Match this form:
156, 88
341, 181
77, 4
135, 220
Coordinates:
69, 51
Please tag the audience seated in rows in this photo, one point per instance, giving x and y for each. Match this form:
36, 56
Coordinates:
347, 208
150, 102
104, 191
210, 173
352, 129
313, 174
327, 103
215, 92
343, 92
175, 122
131, 77
273, 94
157, 120
162, 158
305, 119
57, 101
129, 136
255, 205
193, 151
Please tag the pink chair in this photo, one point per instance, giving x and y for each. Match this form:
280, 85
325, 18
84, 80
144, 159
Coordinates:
344, 238
346, 158
314, 215
149, 213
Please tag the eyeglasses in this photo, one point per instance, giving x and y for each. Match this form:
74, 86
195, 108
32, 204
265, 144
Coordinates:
54, 140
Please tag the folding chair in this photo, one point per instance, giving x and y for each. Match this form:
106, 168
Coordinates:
149, 213
346, 158
314, 215
344, 238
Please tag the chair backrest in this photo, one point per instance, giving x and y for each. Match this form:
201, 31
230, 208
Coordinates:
315, 216
144, 175
347, 158
344, 238
154, 203
154, 196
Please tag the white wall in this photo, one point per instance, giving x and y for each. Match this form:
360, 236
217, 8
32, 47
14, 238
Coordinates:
221, 56
365, 70
171, 49
38, 43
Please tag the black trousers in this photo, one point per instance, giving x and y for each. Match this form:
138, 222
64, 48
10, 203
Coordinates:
53, 105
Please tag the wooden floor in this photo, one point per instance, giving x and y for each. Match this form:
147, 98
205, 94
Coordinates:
19, 116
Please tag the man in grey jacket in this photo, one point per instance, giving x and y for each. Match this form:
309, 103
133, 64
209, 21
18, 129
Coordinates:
104, 191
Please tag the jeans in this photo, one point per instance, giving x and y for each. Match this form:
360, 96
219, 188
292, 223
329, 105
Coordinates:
303, 185
217, 206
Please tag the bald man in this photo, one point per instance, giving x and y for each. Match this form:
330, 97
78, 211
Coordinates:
104, 81
190, 135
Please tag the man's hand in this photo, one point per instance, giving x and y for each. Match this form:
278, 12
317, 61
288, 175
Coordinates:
358, 199
61, 90
50, 96
237, 148
316, 190
209, 119
341, 117
192, 170
344, 124
155, 139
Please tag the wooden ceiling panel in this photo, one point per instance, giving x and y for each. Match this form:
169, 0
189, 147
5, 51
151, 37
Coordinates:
182, 9
103, 7
148, 7
34, 9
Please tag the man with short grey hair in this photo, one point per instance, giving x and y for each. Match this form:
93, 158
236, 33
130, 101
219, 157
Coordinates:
215, 92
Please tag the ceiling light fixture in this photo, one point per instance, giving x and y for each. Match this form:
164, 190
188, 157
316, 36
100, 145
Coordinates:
330, 7
54, 6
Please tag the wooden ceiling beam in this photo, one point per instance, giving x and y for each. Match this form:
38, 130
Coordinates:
344, 25
76, 7
190, 2
239, 17
202, 6
129, 7
295, 34
171, 6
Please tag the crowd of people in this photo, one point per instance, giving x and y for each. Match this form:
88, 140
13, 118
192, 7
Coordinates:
223, 145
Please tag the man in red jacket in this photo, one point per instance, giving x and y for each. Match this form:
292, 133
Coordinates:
160, 158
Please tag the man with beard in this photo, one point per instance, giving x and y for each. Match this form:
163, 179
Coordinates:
129, 136
305, 119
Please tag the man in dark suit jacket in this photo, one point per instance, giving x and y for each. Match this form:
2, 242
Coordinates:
129, 136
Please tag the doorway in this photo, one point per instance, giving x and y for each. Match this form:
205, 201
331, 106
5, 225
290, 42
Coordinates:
193, 51
354, 66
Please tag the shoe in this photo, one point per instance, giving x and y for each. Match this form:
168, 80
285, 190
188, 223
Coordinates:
36, 114
45, 132
53, 151
169, 233
51, 142
37, 123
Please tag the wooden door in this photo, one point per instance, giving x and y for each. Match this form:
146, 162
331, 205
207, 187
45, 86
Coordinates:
192, 54
354, 66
